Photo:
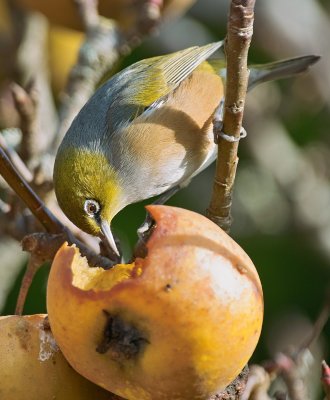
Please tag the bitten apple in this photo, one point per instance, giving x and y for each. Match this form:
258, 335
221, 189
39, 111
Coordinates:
178, 324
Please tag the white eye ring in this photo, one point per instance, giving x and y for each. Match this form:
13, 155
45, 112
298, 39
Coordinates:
92, 207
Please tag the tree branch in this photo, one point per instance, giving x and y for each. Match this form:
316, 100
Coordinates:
15, 160
24, 191
228, 131
291, 365
26, 105
258, 384
32, 66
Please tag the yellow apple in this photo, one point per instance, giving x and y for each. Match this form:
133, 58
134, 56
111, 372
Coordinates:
64, 45
33, 368
178, 324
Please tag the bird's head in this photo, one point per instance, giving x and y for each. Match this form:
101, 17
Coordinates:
88, 191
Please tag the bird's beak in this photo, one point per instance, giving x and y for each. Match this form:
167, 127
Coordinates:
105, 228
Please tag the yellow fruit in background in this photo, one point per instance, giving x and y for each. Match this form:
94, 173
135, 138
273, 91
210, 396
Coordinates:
64, 45
65, 36
5, 22
180, 323
33, 368
7, 42
126, 12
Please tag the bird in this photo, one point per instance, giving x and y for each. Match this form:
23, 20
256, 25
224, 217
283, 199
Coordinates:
147, 132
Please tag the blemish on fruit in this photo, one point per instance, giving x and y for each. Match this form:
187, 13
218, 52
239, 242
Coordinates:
168, 287
241, 269
23, 334
120, 339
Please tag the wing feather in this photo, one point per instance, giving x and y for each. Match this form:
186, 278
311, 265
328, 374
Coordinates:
146, 83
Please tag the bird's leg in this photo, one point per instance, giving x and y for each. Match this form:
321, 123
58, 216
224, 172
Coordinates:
162, 199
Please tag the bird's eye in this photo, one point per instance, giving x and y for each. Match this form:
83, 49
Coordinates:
92, 208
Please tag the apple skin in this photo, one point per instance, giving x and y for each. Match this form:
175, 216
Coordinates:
179, 324
32, 367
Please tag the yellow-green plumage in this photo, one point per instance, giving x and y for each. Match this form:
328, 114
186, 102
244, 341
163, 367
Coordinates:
90, 174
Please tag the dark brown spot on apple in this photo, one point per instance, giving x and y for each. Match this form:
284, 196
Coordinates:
121, 339
168, 287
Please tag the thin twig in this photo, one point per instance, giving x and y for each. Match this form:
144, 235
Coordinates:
29, 197
292, 372
26, 105
240, 29
16, 160
291, 365
32, 65
318, 327
258, 384
88, 13
148, 19
32, 268
292, 375
43, 247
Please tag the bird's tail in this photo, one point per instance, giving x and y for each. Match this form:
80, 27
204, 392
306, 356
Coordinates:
279, 70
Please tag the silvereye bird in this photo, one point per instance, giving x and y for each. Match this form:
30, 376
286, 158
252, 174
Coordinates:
147, 131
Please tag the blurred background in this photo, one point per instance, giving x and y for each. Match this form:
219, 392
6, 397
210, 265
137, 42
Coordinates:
281, 205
